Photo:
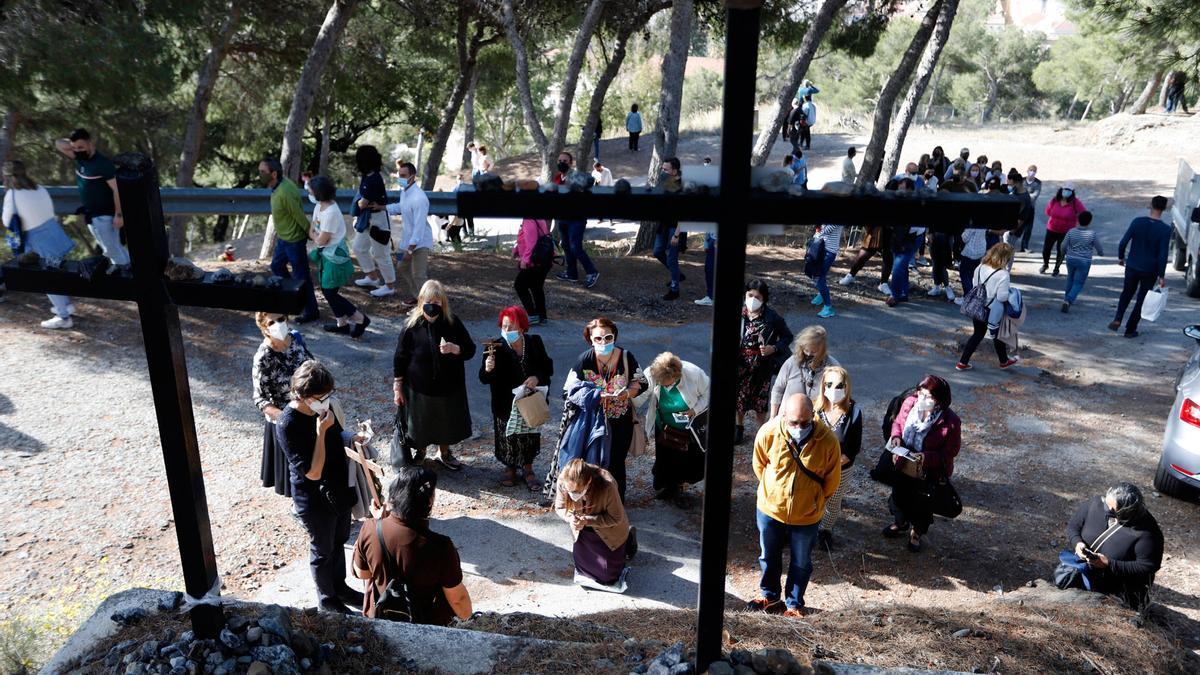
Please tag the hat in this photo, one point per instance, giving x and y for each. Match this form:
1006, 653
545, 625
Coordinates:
1069, 185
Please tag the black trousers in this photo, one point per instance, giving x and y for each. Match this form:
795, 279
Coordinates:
1053, 240
328, 532
976, 338
633, 140
530, 285
342, 308
1138, 283
806, 137
620, 432
907, 507
942, 257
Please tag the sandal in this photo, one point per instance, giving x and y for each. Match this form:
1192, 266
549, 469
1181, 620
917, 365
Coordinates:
509, 478
893, 531
914, 545
449, 462
532, 482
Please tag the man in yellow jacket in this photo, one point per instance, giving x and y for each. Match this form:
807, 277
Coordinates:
797, 460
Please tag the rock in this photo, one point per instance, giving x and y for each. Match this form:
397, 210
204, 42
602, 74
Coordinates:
780, 661
178, 662
741, 657
276, 621
279, 658
130, 616
304, 645
672, 656
259, 668
149, 649
603, 664
181, 269
187, 637
253, 634
777, 180
135, 669
965, 632
720, 668
629, 644
353, 637
170, 602
231, 639
655, 668
237, 623
305, 664
222, 276
744, 670
640, 669
355, 649
685, 668
622, 187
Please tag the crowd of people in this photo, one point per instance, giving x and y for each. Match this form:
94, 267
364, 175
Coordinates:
809, 426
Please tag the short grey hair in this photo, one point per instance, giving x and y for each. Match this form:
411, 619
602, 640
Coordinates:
1130, 502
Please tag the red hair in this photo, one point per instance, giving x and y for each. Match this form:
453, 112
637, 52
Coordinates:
938, 388
515, 315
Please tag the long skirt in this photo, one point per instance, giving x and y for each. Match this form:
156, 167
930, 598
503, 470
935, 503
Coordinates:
671, 467
274, 472
595, 560
438, 420
517, 450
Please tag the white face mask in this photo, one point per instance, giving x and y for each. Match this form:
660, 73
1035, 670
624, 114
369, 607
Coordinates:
926, 403
278, 330
752, 303
575, 496
319, 407
835, 395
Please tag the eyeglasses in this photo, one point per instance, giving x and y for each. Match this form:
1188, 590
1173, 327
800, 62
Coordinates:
604, 339
326, 397
835, 385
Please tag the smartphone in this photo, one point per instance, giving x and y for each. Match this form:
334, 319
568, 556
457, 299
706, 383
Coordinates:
1089, 553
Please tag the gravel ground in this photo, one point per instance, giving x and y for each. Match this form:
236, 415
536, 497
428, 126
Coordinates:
83, 502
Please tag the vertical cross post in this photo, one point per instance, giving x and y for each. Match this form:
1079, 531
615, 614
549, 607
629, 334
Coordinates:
741, 62
138, 185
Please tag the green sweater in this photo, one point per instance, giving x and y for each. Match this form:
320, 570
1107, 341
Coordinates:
290, 222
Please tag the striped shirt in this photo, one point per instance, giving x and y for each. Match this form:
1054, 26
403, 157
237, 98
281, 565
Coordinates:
1080, 242
832, 236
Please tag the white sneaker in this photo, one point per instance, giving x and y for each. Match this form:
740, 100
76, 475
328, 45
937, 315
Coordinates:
847, 280
950, 294
936, 291
367, 282
704, 302
383, 292
58, 323
885, 289
958, 301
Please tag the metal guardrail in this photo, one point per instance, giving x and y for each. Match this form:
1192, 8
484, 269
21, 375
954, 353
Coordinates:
234, 202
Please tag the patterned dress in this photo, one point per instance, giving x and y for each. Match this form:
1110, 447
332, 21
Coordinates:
272, 379
754, 370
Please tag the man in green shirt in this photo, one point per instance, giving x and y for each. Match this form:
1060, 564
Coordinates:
96, 177
291, 233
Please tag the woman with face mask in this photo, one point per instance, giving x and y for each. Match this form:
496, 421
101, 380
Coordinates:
588, 500
835, 407
517, 359
932, 435
764, 348
279, 355
1063, 213
430, 383
1121, 543
313, 440
677, 411
801, 374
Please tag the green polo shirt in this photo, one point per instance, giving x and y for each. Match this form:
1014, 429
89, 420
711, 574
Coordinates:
92, 176
286, 209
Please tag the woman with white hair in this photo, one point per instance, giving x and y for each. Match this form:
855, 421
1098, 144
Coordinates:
678, 414
430, 379
802, 373
1120, 542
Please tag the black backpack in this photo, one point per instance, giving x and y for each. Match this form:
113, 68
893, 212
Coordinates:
395, 603
542, 254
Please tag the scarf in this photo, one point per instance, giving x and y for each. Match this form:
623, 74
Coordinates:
915, 430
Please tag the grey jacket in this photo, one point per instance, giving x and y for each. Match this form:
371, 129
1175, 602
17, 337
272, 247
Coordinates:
795, 378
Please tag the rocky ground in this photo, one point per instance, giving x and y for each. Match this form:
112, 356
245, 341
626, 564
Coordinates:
84, 509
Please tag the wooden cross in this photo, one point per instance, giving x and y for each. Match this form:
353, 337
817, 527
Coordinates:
157, 301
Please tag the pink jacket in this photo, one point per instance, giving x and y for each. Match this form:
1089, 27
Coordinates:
1064, 217
527, 237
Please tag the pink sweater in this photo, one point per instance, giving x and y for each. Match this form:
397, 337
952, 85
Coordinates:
1064, 217
527, 237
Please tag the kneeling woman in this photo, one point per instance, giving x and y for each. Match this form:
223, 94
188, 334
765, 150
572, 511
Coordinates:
678, 413
588, 500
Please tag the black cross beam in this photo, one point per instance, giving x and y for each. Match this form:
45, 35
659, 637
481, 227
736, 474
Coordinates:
157, 301
734, 206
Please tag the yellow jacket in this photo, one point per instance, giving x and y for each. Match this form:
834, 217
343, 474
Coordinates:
786, 493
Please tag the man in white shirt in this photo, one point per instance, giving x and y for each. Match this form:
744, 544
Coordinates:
602, 175
810, 121
476, 159
416, 237
849, 173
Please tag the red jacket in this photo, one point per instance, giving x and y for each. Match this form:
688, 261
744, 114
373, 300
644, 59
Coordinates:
942, 443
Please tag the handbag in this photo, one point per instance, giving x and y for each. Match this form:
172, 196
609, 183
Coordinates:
395, 603
402, 445
637, 444
378, 234
672, 439
814, 257
945, 500
975, 303
534, 409
1153, 305
1072, 570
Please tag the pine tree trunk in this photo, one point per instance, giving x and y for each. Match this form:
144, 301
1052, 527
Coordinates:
468, 51
8, 132
596, 105
873, 159
1162, 94
302, 101
937, 82
821, 22
929, 62
1143, 100
1071, 108
521, 59
193, 135
670, 101
468, 124
566, 95
323, 154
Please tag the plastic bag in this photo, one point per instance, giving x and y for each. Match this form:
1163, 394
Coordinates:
1155, 301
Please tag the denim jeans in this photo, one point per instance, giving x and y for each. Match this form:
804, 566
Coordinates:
710, 264
772, 537
109, 239
295, 254
900, 270
1077, 274
823, 278
60, 304
667, 253
571, 232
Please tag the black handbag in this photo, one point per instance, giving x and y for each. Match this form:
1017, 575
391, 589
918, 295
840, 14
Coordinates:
379, 235
944, 499
402, 445
885, 469
395, 603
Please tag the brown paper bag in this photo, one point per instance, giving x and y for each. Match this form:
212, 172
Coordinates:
534, 409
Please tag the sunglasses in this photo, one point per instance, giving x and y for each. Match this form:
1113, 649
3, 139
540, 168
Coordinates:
272, 322
604, 339
831, 385
326, 397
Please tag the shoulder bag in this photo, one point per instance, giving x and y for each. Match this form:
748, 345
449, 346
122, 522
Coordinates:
395, 603
795, 452
1072, 571
637, 444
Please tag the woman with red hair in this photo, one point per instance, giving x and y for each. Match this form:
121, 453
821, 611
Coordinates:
932, 435
517, 359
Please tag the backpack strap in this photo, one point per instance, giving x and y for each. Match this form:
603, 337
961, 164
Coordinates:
388, 564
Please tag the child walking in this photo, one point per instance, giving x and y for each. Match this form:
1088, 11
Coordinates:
1080, 243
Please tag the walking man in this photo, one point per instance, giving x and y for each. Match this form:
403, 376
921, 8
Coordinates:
807, 121
791, 127
416, 239
1148, 239
96, 178
291, 233
797, 460
570, 232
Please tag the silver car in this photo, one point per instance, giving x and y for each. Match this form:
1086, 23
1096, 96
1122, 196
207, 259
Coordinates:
1178, 472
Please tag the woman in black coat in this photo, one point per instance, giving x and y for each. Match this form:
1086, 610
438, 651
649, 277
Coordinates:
517, 359
1120, 541
430, 377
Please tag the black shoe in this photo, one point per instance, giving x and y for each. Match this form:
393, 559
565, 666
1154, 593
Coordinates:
350, 597
1055, 272
1131, 333
359, 328
894, 530
1066, 307
672, 294
307, 318
739, 432
682, 277
631, 545
335, 328
914, 546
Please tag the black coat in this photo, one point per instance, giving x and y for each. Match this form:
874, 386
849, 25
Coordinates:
509, 372
1134, 552
419, 360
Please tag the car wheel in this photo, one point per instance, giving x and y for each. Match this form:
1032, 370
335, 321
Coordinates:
1191, 280
1166, 482
1178, 252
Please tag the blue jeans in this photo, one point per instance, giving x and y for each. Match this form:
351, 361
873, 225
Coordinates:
667, 253
571, 233
966, 273
1077, 274
772, 537
900, 269
823, 278
109, 239
710, 264
295, 254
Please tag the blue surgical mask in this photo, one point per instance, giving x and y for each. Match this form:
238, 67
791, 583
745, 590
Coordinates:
605, 349
510, 336
1067, 194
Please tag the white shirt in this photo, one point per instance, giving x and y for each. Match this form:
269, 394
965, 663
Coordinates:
413, 209
475, 161
996, 282
603, 177
849, 173
34, 207
485, 163
329, 219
